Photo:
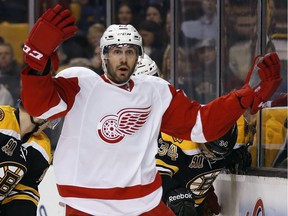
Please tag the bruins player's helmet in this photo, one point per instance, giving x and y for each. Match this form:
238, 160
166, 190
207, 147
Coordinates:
223, 146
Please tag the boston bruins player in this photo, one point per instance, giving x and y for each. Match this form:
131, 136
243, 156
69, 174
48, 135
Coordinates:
188, 169
25, 155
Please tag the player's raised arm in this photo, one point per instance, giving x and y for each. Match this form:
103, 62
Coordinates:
262, 81
51, 29
43, 96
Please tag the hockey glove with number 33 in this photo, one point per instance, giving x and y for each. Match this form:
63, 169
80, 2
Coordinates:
51, 29
262, 81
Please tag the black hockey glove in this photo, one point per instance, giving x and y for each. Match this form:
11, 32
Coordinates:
181, 201
239, 160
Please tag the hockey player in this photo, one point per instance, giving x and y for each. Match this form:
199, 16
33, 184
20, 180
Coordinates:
25, 156
188, 170
109, 135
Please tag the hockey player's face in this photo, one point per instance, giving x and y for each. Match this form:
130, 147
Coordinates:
121, 62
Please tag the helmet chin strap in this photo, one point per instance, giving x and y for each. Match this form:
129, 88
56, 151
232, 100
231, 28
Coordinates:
36, 128
37, 125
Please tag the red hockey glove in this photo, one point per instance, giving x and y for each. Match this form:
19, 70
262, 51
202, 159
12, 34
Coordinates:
261, 82
50, 30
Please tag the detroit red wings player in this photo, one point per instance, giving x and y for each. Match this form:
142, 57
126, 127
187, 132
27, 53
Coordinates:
105, 158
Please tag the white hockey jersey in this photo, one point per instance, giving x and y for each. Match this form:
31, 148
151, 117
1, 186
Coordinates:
105, 158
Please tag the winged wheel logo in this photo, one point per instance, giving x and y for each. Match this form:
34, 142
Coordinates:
113, 128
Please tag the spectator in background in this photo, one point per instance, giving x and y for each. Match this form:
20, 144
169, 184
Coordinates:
96, 62
81, 45
166, 64
70, 49
242, 43
183, 68
152, 41
205, 26
204, 77
126, 14
155, 13
168, 25
94, 34
5, 96
166, 73
9, 71
90, 13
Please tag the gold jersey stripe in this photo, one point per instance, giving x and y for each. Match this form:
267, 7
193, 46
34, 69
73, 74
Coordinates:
163, 164
20, 197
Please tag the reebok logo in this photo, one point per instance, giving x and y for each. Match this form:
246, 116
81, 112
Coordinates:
180, 197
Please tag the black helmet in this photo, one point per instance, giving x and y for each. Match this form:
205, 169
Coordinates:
222, 147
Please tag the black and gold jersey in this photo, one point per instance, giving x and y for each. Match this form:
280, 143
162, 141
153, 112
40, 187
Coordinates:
23, 164
183, 161
186, 166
